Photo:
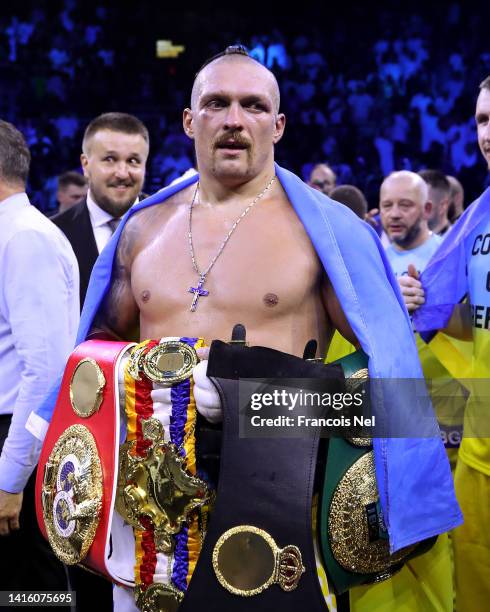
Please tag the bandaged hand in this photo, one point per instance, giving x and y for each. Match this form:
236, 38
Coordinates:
208, 402
412, 291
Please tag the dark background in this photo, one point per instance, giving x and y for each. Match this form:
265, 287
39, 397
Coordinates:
354, 79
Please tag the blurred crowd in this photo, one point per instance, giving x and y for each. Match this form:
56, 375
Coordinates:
404, 100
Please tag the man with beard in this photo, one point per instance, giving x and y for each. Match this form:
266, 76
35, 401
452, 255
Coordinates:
457, 292
405, 208
115, 149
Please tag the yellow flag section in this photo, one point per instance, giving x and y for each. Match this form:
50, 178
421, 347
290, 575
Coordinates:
339, 347
475, 447
424, 584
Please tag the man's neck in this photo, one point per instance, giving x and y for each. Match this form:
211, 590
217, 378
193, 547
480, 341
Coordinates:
6, 191
217, 191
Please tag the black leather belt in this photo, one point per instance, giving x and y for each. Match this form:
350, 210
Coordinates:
263, 483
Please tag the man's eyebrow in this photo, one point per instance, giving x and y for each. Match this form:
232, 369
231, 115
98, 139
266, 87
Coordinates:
249, 98
246, 98
221, 95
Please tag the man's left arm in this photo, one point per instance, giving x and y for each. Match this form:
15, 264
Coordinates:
41, 296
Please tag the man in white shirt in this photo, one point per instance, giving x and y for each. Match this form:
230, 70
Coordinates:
39, 312
115, 149
405, 208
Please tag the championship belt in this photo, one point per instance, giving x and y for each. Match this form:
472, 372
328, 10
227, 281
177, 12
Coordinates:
354, 539
75, 485
112, 446
159, 491
258, 553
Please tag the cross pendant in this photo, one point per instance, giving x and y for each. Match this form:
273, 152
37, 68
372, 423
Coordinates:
198, 291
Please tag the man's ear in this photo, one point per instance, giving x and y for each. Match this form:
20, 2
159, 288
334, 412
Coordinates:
84, 163
279, 128
187, 123
428, 208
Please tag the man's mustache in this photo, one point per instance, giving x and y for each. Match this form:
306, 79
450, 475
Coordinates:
235, 140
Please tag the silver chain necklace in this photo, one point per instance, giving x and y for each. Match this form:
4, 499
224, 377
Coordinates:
199, 291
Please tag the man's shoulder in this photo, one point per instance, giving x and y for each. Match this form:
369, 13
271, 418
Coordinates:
32, 232
162, 209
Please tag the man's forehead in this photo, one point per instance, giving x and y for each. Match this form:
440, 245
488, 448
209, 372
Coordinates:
235, 74
400, 186
113, 140
106, 135
323, 171
483, 101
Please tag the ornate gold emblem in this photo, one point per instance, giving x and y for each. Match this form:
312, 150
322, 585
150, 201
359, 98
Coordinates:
352, 383
86, 387
158, 598
247, 560
350, 531
72, 494
157, 487
361, 442
170, 362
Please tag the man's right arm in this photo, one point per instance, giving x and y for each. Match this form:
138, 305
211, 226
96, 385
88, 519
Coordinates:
119, 313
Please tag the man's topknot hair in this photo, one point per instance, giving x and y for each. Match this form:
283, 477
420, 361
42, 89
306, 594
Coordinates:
230, 50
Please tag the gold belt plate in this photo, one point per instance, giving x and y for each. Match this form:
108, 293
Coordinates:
348, 527
72, 494
86, 386
247, 560
157, 487
158, 597
169, 362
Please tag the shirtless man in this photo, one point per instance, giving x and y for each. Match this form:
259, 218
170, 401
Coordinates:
277, 288
246, 246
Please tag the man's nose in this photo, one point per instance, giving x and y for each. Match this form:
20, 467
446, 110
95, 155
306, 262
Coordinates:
486, 132
394, 212
234, 117
122, 169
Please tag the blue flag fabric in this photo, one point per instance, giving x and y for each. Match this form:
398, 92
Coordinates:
444, 278
413, 475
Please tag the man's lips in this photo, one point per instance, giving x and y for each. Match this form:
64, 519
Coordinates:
232, 145
395, 228
121, 187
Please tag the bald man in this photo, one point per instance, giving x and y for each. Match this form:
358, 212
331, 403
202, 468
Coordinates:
405, 209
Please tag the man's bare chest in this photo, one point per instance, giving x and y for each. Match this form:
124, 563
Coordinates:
267, 263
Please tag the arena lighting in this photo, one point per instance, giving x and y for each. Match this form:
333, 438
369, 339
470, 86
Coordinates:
165, 49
